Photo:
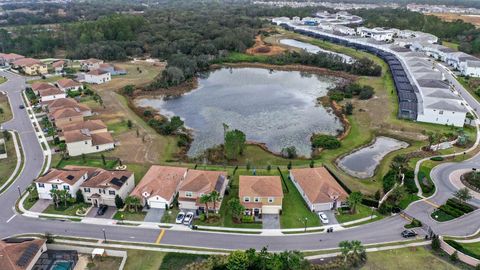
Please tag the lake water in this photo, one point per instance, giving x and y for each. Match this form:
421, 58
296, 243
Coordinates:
278, 108
313, 49
363, 162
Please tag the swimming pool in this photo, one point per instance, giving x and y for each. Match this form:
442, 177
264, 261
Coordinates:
62, 265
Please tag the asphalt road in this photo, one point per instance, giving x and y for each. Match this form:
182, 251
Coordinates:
385, 230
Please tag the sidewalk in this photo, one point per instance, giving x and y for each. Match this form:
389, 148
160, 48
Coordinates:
455, 180
15, 173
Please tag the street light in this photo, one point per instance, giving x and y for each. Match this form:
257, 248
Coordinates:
104, 235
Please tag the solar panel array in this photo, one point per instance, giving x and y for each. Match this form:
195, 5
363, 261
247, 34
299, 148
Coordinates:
27, 255
408, 103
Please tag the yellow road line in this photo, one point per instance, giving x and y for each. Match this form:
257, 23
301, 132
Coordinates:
432, 204
160, 236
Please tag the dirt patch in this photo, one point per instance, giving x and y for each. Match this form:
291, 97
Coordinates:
449, 17
263, 48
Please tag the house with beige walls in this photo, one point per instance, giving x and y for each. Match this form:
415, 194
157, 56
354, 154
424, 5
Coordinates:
261, 194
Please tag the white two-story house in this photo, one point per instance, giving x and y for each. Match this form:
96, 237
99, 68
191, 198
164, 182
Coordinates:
55, 179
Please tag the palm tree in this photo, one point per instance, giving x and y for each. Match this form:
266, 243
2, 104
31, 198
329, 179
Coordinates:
131, 201
55, 197
205, 199
398, 164
214, 197
345, 249
354, 199
136, 203
358, 251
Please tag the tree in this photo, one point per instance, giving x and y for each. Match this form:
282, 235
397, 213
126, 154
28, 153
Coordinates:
348, 108
358, 252
289, 165
55, 197
6, 135
463, 195
129, 124
103, 161
214, 198
237, 209
454, 256
1, 110
128, 90
432, 139
398, 164
79, 196
289, 152
397, 195
132, 202
234, 144
205, 199
237, 260
312, 163
435, 243
345, 249
354, 199
119, 202
325, 141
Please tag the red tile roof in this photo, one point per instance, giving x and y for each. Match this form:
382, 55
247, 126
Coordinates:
160, 181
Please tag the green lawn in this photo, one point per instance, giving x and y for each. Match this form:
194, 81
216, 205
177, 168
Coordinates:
473, 248
118, 127
7, 165
174, 261
5, 111
127, 215
441, 216
31, 199
48, 80
170, 215
427, 185
407, 200
90, 160
363, 211
70, 210
450, 45
143, 259
2, 79
406, 259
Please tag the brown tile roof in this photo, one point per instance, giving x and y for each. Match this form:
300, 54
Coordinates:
76, 136
66, 103
97, 72
65, 113
160, 181
203, 181
91, 125
11, 253
65, 176
105, 65
36, 86
319, 185
92, 61
107, 179
11, 56
260, 186
102, 138
64, 83
59, 63
27, 62
50, 91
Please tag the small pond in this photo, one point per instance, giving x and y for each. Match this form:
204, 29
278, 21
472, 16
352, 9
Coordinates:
363, 162
313, 49
277, 108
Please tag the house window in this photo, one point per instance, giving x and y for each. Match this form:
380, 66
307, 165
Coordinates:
41, 185
99, 190
87, 190
256, 199
246, 199
111, 192
440, 112
66, 187
188, 194
270, 199
54, 186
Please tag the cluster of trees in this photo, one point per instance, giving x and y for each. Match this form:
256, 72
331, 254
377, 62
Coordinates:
234, 145
457, 31
212, 197
166, 126
325, 141
289, 152
340, 92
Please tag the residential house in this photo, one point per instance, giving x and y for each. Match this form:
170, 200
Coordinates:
65, 116
377, 33
21, 253
84, 142
261, 194
38, 86
90, 64
318, 188
6, 59
97, 76
102, 186
58, 66
30, 66
198, 183
93, 126
50, 94
54, 179
64, 103
470, 67
112, 69
68, 85
159, 186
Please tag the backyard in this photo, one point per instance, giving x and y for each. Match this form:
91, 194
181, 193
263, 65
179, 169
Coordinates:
363, 211
154, 260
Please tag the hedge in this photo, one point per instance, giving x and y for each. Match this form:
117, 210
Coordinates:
389, 180
451, 211
436, 158
460, 248
460, 206
409, 182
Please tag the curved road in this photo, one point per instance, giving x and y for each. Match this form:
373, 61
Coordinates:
11, 223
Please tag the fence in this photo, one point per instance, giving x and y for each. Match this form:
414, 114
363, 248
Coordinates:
88, 250
461, 256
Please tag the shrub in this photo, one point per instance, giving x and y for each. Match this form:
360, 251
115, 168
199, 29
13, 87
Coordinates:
409, 182
414, 224
336, 95
451, 211
202, 217
454, 256
435, 243
366, 93
119, 202
385, 208
459, 205
248, 219
389, 180
436, 158
460, 248
348, 108
325, 141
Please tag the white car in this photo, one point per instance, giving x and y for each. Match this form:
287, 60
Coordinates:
180, 217
323, 217
188, 218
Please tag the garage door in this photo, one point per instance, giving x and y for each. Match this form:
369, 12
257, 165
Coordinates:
157, 204
270, 209
323, 207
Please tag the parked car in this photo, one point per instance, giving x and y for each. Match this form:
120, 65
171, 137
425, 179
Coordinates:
180, 217
21, 107
408, 234
102, 209
323, 217
188, 218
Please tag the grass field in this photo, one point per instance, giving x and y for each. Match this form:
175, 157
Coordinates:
70, 210
143, 259
2, 80
473, 248
6, 112
50, 79
127, 215
363, 211
7, 165
406, 259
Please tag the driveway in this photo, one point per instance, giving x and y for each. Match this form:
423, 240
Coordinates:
108, 214
271, 221
331, 217
40, 205
154, 215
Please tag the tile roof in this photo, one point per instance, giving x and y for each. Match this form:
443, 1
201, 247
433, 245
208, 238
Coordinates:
64, 83
107, 179
62, 103
50, 91
102, 138
160, 181
36, 86
203, 181
61, 176
97, 72
11, 56
65, 113
76, 136
91, 125
92, 61
319, 185
27, 62
59, 63
18, 255
260, 186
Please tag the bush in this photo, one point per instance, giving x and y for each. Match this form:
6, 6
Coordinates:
119, 202
459, 205
325, 141
436, 243
385, 208
336, 95
436, 158
454, 256
248, 219
366, 93
451, 211
414, 224
389, 180
460, 248
409, 182
202, 217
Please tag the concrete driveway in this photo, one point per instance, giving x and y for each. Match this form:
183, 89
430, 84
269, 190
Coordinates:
40, 205
271, 221
332, 220
154, 215
108, 214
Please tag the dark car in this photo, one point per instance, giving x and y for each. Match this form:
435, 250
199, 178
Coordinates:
102, 209
408, 234
21, 107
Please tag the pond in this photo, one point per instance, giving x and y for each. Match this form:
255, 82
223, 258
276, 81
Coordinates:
313, 49
363, 162
277, 108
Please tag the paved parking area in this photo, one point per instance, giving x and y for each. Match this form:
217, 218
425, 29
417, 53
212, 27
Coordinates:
271, 221
154, 215
40, 205
108, 214
331, 218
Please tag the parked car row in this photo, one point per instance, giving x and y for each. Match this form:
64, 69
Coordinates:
185, 219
